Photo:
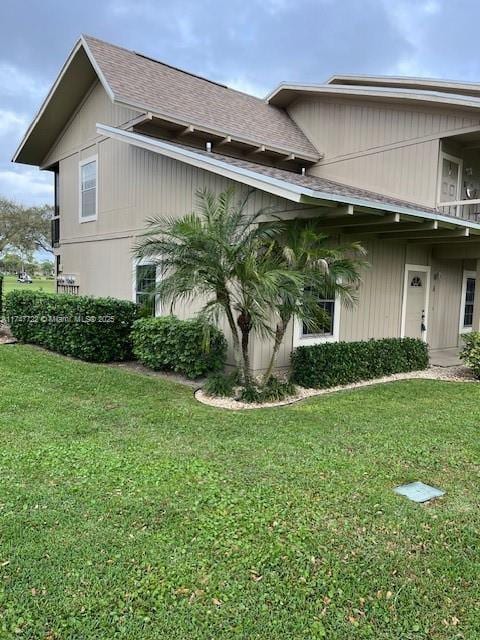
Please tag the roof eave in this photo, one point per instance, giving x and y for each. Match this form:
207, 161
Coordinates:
431, 97
263, 182
81, 42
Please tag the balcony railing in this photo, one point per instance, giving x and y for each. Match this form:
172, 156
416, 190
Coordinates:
465, 209
55, 231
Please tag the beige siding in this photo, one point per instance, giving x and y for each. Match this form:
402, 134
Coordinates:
135, 184
81, 130
388, 149
445, 301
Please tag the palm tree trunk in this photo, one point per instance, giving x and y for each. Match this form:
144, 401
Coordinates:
235, 338
279, 335
245, 325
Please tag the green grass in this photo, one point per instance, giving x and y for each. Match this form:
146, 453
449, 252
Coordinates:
127, 510
39, 284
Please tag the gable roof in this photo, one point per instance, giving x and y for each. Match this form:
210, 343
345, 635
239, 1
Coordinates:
141, 83
292, 186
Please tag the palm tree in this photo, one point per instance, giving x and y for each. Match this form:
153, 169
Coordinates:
326, 271
223, 256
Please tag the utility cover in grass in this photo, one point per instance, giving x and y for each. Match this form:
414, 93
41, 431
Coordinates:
418, 491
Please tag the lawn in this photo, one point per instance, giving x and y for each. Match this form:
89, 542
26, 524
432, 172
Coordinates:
39, 284
130, 511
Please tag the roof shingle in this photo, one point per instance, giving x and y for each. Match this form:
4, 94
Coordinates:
167, 91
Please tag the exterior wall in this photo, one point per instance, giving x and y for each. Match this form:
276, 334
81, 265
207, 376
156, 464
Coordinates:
389, 149
135, 184
81, 129
378, 312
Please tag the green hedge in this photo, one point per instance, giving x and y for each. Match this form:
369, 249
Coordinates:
93, 329
470, 353
336, 363
170, 344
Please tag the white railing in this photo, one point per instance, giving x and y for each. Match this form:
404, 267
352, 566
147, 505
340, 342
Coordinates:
465, 209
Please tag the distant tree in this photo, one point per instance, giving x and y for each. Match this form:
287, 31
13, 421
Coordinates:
24, 228
46, 268
11, 263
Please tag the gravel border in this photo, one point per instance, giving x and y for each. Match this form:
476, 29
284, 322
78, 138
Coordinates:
448, 374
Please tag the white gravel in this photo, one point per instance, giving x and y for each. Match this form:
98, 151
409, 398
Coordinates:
449, 374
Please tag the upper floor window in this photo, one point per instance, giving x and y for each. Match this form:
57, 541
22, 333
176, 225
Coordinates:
88, 189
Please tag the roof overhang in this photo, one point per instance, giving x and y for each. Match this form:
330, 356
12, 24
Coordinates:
286, 93
406, 82
76, 77
295, 192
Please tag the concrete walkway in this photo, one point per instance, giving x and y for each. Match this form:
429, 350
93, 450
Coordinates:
445, 357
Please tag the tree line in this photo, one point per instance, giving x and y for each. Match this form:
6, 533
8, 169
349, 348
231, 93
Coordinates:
24, 230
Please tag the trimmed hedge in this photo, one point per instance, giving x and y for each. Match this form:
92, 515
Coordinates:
470, 353
337, 363
93, 329
170, 344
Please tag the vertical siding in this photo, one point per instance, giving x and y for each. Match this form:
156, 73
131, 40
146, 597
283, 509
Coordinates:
445, 300
358, 141
81, 130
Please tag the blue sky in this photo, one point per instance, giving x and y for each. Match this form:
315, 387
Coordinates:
248, 44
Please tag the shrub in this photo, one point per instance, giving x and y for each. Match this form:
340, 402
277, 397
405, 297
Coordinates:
170, 344
93, 329
337, 363
276, 390
470, 353
220, 385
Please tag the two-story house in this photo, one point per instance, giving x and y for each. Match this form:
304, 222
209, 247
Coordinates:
392, 162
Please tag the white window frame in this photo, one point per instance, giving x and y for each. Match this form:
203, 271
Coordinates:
82, 163
144, 262
425, 269
466, 275
459, 161
301, 340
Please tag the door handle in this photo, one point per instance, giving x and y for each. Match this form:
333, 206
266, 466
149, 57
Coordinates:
423, 327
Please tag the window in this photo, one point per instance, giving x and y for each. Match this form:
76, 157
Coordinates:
416, 282
145, 281
326, 331
326, 327
468, 300
88, 189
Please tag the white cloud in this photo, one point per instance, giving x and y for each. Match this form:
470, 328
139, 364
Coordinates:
25, 185
12, 123
15, 82
243, 84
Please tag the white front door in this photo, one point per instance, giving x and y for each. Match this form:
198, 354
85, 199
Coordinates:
415, 302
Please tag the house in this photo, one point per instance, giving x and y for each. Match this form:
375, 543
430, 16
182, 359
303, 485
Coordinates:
392, 162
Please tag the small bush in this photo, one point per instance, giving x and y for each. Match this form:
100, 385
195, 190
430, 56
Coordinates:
220, 385
170, 344
250, 394
470, 353
93, 329
337, 363
276, 390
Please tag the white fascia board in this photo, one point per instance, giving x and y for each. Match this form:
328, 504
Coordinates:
97, 69
80, 43
420, 95
281, 188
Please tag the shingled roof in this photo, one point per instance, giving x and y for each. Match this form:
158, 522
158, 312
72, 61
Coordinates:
141, 81
168, 93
